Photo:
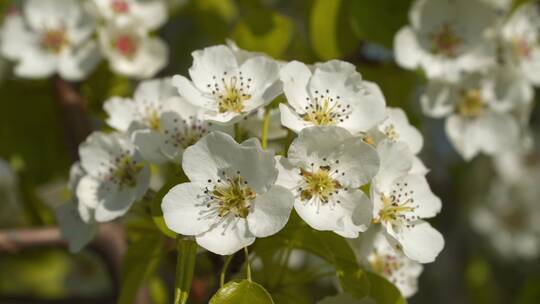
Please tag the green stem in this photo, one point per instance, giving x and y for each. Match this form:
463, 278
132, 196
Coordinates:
224, 270
187, 251
237, 132
265, 124
248, 265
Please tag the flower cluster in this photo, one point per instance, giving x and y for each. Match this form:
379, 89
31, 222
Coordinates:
481, 60
508, 215
69, 38
351, 165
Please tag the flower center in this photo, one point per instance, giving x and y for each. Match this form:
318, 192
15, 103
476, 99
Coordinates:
446, 42
368, 139
119, 6
318, 184
471, 103
186, 132
233, 197
390, 132
521, 47
125, 172
126, 45
325, 110
54, 40
152, 119
398, 207
384, 264
231, 92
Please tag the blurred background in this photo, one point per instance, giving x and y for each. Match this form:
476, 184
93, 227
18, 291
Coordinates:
43, 121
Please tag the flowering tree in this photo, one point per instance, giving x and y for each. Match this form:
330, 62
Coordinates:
262, 178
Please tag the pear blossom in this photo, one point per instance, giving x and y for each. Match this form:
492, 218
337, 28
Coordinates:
324, 170
395, 127
479, 110
178, 129
48, 37
150, 14
132, 51
330, 94
150, 99
76, 222
115, 176
392, 264
520, 41
447, 37
401, 203
228, 84
508, 217
231, 198
161, 122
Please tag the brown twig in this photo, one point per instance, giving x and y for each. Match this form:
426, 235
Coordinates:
72, 106
110, 243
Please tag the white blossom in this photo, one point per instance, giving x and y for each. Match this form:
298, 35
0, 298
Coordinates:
401, 203
447, 37
479, 110
151, 99
392, 264
76, 221
48, 37
332, 94
231, 198
324, 169
227, 84
115, 176
508, 216
520, 41
149, 14
132, 51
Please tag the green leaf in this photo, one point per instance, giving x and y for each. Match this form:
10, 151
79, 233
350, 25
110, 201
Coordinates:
264, 31
141, 261
187, 252
242, 292
382, 291
330, 32
378, 21
327, 245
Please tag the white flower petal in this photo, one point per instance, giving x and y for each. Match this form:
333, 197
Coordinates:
421, 242
149, 144
427, 204
72, 228
211, 62
290, 119
295, 77
191, 93
184, 210
368, 108
121, 111
264, 73
270, 211
407, 51
227, 240
36, 63
219, 152
87, 192
289, 175
395, 160
360, 209
76, 65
